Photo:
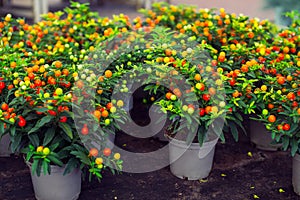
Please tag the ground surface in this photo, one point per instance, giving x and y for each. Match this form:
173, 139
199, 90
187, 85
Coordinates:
235, 176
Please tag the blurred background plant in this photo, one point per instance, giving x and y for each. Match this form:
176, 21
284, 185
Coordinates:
281, 7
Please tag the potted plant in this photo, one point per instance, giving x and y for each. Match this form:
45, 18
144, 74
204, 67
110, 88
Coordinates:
37, 82
281, 113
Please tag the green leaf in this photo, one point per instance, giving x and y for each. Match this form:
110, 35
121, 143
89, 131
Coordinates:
55, 160
43, 109
15, 142
72, 164
46, 168
83, 157
13, 130
66, 128
41, 123
234, 131
34, 139
294, 147
201, 135
1, 128
39, 167
34, 166
48, 136
29, 155
285, 143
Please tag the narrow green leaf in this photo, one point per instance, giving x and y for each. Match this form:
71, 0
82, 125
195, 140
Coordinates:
83, 157
234, 131
34, 139
66, 128
48, 136
15, 142
294, 147
34, 166
55, 160
42, 122
1, 128
45, 168
72, 164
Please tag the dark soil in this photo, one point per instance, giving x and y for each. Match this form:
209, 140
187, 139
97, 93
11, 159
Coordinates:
235, 176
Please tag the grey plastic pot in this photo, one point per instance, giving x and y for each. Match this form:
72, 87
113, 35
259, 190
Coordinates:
261, 137
56, 185
4, 146
191, 162
296, 174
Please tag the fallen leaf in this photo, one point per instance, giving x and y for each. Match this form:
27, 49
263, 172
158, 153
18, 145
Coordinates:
281, 190
203, 180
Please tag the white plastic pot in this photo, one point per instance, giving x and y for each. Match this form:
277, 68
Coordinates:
296, 174
56, 185
4, 146
261, 137
191, 162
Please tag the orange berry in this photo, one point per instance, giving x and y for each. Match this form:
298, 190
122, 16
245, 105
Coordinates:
104, 113
177, 92
108, 73
4, 106
13, 64
57, 64
208, 109
97, 114
168, 95
107, 151
281, 80
93, 152
272, 118
197, 77
270, 106
289, 78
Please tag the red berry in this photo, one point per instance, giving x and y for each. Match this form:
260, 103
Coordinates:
85, 130
2, 85
201, 111
206, 97
286, 127
232, 82
22, 122
52, 112
63, 119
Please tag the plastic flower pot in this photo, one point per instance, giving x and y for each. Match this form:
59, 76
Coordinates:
296, 174
191, 162
261, 137
56, 185
4, 146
